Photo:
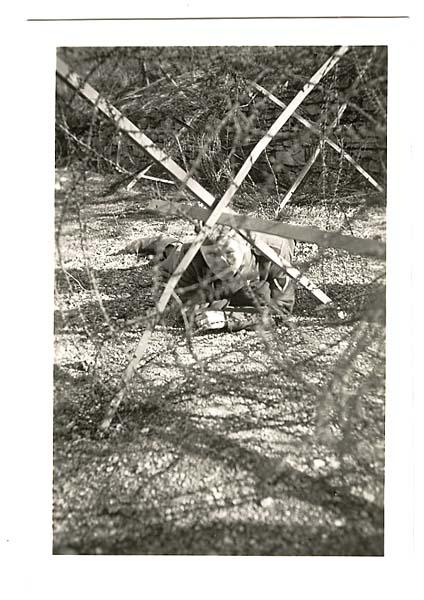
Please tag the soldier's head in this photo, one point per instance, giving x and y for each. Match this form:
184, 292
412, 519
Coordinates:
224, 250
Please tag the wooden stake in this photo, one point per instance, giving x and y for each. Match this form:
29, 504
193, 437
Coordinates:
316, 130
308, 165
301, 233
138, 177
118, 149
142, 175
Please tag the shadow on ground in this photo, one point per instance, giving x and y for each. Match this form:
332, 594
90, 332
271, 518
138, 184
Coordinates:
265, 507
233, 539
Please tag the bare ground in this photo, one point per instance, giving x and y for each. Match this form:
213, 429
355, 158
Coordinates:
232, 444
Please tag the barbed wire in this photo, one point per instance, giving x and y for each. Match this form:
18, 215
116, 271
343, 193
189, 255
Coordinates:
208, 119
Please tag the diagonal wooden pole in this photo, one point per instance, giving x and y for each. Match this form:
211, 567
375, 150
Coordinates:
308, 165
138, 176
282, 119
208, 225
316, 130
142, 175
301, 233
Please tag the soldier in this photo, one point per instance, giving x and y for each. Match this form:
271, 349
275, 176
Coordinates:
226, 273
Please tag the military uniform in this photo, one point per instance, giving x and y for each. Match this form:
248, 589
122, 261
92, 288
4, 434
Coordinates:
257, 282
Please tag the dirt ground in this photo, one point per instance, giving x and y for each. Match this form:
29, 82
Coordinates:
251, 443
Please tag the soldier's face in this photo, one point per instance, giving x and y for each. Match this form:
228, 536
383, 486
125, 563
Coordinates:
224, 255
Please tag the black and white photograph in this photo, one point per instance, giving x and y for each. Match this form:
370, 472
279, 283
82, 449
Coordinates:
219, 361
212, 321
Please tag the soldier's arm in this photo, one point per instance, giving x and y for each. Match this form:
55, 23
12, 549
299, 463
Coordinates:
145, 246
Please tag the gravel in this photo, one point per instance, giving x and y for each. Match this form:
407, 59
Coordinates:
232, 444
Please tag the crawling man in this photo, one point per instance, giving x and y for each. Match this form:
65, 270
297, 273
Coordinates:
227, 273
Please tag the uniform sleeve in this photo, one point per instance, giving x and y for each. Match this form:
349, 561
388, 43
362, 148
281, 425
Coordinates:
190, 279
149, 245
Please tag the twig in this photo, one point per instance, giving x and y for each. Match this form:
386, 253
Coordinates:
93, 150
74, 278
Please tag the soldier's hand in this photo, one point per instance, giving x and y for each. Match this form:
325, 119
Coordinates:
207, 320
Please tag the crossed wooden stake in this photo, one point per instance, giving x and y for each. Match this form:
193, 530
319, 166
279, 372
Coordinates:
324, 138
126, 126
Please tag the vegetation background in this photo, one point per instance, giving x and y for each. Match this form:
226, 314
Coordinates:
198, 104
